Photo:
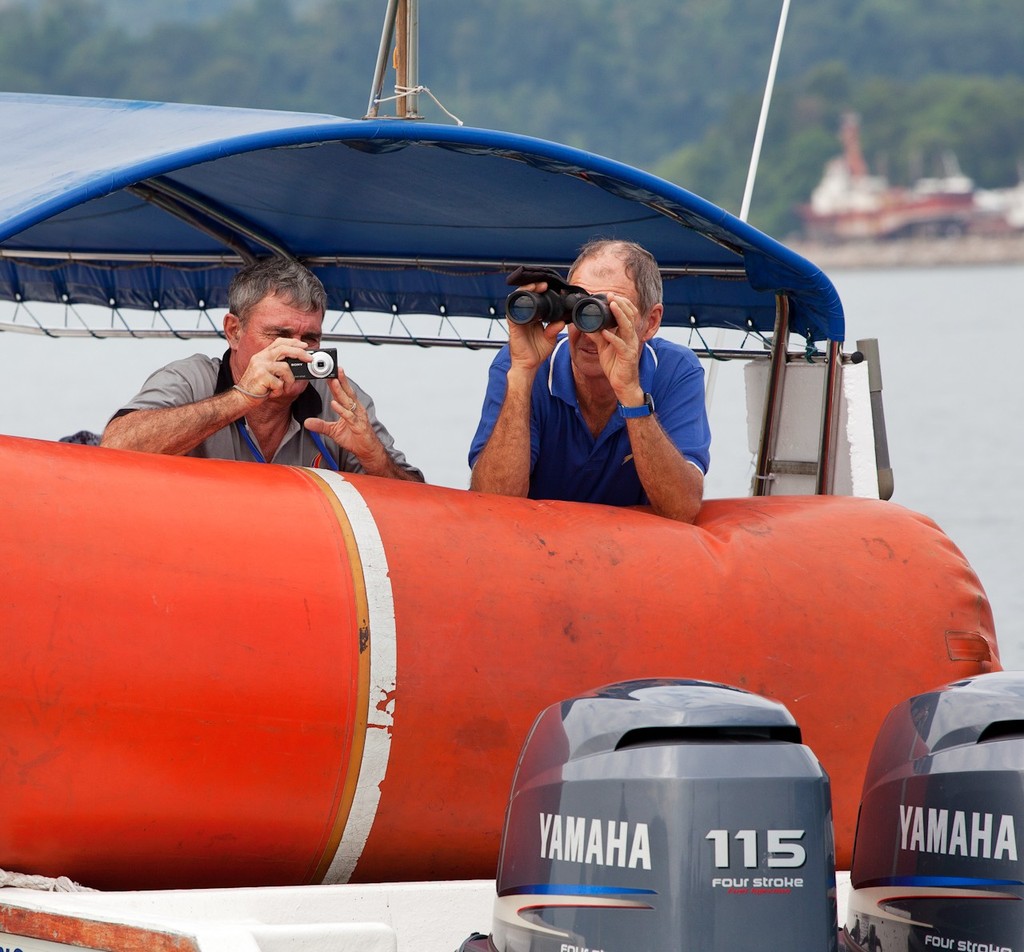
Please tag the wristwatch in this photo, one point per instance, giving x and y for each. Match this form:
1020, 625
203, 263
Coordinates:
645, 409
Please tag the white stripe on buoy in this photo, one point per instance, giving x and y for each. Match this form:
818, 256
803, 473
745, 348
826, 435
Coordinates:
380, 706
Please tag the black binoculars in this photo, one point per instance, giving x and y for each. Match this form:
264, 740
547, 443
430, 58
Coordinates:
560, 302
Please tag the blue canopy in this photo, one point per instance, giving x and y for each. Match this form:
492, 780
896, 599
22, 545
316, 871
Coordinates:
154, 205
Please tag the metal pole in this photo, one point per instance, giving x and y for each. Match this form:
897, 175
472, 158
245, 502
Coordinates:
412, 57
387, 33
755, 157
829, 420
712, 376
772, 401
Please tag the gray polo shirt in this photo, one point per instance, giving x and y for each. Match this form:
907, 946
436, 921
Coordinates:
199, 376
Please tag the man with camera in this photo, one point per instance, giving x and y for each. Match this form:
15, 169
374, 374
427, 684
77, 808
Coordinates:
611, 415
274, 395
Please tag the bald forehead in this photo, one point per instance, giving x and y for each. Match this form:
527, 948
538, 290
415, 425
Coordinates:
605, 267
604, 263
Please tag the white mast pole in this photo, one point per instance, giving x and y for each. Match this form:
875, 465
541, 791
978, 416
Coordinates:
752, 169
755, 157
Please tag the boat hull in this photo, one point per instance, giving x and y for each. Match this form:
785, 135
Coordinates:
225, 674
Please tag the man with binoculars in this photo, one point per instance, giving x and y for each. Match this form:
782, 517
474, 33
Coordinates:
607, 412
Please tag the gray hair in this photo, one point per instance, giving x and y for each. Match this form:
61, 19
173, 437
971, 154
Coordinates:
639, 264
293, 282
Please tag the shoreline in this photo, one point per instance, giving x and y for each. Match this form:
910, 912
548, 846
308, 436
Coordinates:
914, 252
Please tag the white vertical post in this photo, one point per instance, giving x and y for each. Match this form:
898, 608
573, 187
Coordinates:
755, 156
748, 191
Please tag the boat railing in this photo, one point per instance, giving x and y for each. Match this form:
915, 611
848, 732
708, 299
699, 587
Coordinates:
419, 330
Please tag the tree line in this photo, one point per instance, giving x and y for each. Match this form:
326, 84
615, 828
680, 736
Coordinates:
673, 87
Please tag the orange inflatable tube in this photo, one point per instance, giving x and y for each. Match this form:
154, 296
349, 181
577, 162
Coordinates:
221, 673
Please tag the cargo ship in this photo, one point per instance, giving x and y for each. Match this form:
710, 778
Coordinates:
850, 204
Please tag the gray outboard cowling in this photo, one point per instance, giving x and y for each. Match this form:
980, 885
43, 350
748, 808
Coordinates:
666, 814
936, 860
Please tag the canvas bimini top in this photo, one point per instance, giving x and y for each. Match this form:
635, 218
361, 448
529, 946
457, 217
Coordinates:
144, 205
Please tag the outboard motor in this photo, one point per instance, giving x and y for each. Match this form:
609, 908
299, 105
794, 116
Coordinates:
661, 815
937, 859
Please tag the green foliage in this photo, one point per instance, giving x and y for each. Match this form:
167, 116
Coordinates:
669, 85
799, 139
977, 119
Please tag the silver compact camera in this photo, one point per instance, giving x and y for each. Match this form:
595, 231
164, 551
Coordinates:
322, 364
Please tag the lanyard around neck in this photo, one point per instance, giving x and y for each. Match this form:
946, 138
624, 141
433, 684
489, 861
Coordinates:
258, 456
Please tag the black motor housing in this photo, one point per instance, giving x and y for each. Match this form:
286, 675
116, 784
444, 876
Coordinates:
666, 814
937, 858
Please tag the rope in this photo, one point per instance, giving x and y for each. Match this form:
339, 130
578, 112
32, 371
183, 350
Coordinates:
694, 329
404, 92
45, 883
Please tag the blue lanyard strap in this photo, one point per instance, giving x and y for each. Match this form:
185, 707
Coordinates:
327, 456
315, 437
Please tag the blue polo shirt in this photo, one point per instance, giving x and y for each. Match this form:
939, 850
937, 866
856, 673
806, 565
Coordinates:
566, 460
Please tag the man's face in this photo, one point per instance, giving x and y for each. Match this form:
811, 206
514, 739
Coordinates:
272, 318
602, 274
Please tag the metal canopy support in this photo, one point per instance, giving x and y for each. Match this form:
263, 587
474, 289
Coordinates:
829, 420
765, 465
206, 216
386, 36
735, 272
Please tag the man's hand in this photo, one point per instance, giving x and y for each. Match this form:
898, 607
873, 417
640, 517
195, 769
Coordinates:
619, 350
531, 344
354, 432
268, 374
503, 465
